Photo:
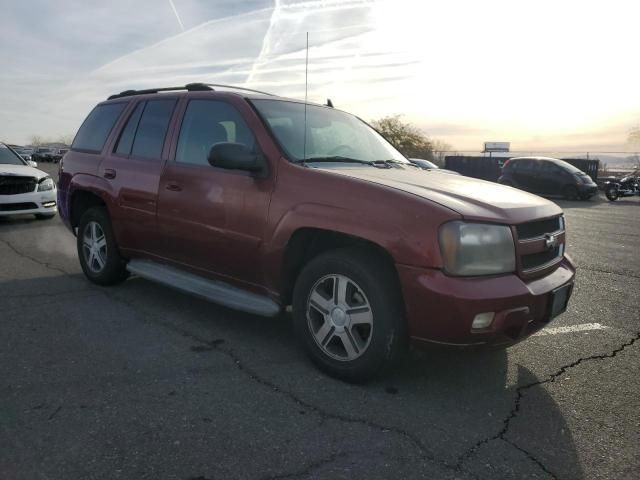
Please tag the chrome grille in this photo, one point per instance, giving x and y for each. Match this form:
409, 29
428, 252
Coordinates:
540, 245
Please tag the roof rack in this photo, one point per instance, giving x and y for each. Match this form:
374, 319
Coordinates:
190, 87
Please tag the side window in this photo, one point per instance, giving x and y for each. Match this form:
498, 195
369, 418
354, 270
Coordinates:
205, 123
96, 128
524, 165
152, 128
125, 142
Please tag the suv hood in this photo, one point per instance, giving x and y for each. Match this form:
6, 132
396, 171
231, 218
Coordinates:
470, 197
22, 170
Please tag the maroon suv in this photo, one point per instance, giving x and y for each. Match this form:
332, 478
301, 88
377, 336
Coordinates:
258, 202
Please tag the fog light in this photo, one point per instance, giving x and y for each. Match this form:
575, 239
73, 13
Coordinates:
49, 204
482, 320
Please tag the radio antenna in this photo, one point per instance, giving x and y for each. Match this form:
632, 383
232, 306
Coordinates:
306, 84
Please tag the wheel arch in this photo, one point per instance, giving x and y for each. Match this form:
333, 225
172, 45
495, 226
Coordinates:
307, 243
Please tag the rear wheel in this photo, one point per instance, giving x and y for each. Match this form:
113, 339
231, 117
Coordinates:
611, 192
348, 314
97, 249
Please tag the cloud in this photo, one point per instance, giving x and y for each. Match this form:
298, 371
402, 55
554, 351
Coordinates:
466, 71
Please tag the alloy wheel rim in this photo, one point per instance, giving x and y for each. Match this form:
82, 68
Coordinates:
339, 317
94, 247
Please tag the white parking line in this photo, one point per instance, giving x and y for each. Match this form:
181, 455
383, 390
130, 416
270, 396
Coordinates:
582, 327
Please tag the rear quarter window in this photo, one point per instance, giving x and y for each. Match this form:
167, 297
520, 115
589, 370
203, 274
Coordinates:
96, 128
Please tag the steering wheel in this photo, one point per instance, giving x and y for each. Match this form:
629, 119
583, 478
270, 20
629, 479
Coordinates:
344, 150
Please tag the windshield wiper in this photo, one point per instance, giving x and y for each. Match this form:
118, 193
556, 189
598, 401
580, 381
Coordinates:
336, 158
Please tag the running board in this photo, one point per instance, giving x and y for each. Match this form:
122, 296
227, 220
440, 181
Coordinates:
213, 290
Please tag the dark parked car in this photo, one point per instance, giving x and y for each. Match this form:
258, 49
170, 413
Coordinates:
42, 154
58, 154
547, 176
217, 193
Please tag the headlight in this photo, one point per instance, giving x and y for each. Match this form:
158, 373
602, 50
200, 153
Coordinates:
46, 184
477, 249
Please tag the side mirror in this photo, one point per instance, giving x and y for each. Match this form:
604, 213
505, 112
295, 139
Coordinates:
32, 163
235, 156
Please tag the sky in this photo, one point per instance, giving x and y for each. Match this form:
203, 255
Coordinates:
543, 75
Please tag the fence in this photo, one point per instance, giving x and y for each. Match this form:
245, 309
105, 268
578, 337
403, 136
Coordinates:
490, 168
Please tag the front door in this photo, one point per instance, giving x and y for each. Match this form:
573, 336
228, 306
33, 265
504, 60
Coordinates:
213, 219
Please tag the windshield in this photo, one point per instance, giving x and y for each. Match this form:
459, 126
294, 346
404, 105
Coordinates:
330, 133
7, 157
568, 166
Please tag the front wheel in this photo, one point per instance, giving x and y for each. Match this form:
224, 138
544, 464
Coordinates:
611, 192
97, 249
348, 314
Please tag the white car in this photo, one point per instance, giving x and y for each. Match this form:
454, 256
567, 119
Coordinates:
23, 188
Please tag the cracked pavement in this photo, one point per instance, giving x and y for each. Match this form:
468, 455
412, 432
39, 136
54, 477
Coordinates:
139, 381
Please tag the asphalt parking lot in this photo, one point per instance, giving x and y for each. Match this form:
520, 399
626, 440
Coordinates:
141, 382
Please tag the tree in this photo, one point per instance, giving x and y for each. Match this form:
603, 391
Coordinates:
440, 149
66, 139
36, 140
407, 138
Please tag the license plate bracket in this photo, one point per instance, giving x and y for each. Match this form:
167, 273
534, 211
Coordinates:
559, 300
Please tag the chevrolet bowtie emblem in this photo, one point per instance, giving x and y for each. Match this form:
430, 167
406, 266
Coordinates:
550, 241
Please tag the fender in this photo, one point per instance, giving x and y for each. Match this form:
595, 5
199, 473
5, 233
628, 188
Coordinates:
88, 183
366, 225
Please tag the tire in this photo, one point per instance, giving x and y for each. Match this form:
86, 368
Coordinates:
104, 266
611, 192
378, 339
43, 216
570, 192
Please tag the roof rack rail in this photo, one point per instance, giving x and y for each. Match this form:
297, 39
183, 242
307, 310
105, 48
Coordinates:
232, 87
190, 87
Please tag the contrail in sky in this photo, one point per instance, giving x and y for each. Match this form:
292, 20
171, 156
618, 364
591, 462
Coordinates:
177, 16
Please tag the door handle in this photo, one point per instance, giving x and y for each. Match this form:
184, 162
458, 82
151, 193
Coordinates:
109, 173
173, 186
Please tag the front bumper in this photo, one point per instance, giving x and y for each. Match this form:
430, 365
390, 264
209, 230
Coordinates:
44, 203
588, 190
441, 309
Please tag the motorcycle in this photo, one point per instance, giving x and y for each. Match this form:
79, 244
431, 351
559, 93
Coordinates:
625, 187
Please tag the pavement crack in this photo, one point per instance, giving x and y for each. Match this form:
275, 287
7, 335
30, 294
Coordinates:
308, 468
34, 259
55, 412
515, 410
532, 458
220, 346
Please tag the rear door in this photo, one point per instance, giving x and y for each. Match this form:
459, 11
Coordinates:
133, 167
551, 178
523, 174
213, 219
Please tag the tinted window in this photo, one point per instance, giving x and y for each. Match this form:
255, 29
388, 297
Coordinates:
550, 167
329, 132
126, 137
152, 128
206, 123
567, 166
522, 164
7, 157
96, 128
